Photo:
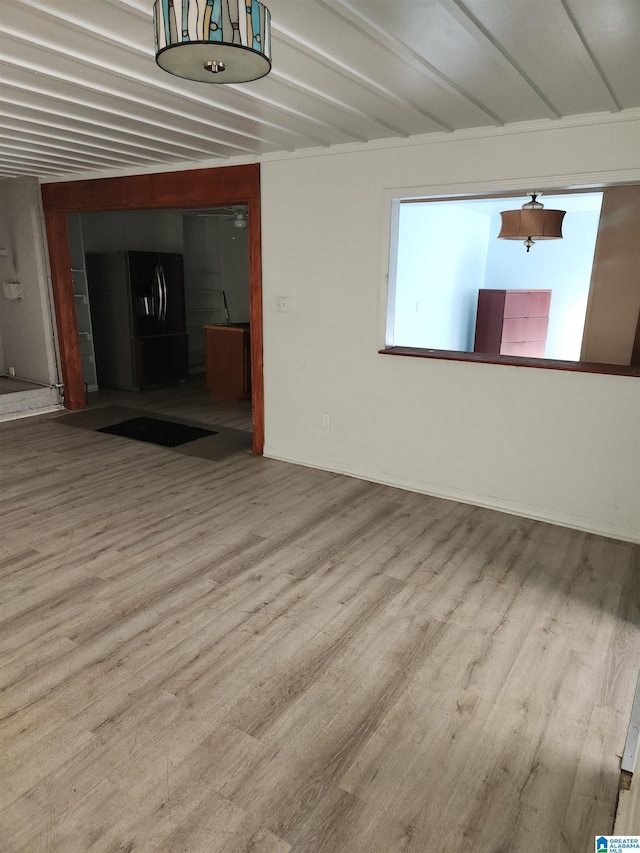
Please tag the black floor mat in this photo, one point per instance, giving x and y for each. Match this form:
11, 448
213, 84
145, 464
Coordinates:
155, 431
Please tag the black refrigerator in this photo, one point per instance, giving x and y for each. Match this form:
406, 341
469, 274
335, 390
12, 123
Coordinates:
138, 319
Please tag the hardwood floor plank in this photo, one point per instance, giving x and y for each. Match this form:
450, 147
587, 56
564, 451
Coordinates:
593, 796
34, 825
333, 734
254, 656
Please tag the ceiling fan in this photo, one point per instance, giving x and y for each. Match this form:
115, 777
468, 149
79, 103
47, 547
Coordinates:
228, 214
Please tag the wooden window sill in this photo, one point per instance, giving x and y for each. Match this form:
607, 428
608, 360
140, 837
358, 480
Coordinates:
514, 361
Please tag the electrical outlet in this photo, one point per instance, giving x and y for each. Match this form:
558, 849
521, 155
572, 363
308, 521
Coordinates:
326, 421
12, 289
282, 304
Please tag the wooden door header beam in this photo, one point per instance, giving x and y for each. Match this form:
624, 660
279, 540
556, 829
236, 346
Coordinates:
193, 188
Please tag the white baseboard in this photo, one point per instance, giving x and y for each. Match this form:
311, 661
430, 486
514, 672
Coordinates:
577, 522
31, 413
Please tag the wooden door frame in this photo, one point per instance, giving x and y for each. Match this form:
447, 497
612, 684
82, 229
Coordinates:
198, 188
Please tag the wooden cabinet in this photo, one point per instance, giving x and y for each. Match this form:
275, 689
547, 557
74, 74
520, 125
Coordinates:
512, 322
228, 362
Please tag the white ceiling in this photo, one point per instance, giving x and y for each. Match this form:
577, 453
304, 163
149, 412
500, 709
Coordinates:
80, 90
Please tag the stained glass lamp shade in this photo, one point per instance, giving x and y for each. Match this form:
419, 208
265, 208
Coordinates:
213, 41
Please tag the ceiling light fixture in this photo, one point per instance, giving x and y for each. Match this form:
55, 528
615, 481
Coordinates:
532, 222
213, 41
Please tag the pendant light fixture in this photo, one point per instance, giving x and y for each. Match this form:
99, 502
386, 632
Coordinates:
532, 222
213, 41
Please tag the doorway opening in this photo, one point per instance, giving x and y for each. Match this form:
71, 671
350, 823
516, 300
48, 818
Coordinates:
151, 287
187, 192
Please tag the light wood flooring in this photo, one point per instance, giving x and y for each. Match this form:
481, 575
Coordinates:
255, 657
190, 401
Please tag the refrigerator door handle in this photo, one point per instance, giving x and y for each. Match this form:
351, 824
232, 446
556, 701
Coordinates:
165, 294
158, 309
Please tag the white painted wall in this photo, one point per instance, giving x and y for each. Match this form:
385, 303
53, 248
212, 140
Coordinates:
442, 255
25, 324
559, 446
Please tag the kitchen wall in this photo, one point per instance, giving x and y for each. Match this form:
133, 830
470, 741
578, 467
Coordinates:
26, 327
216, 259
133, 231
213, 247
547, 444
